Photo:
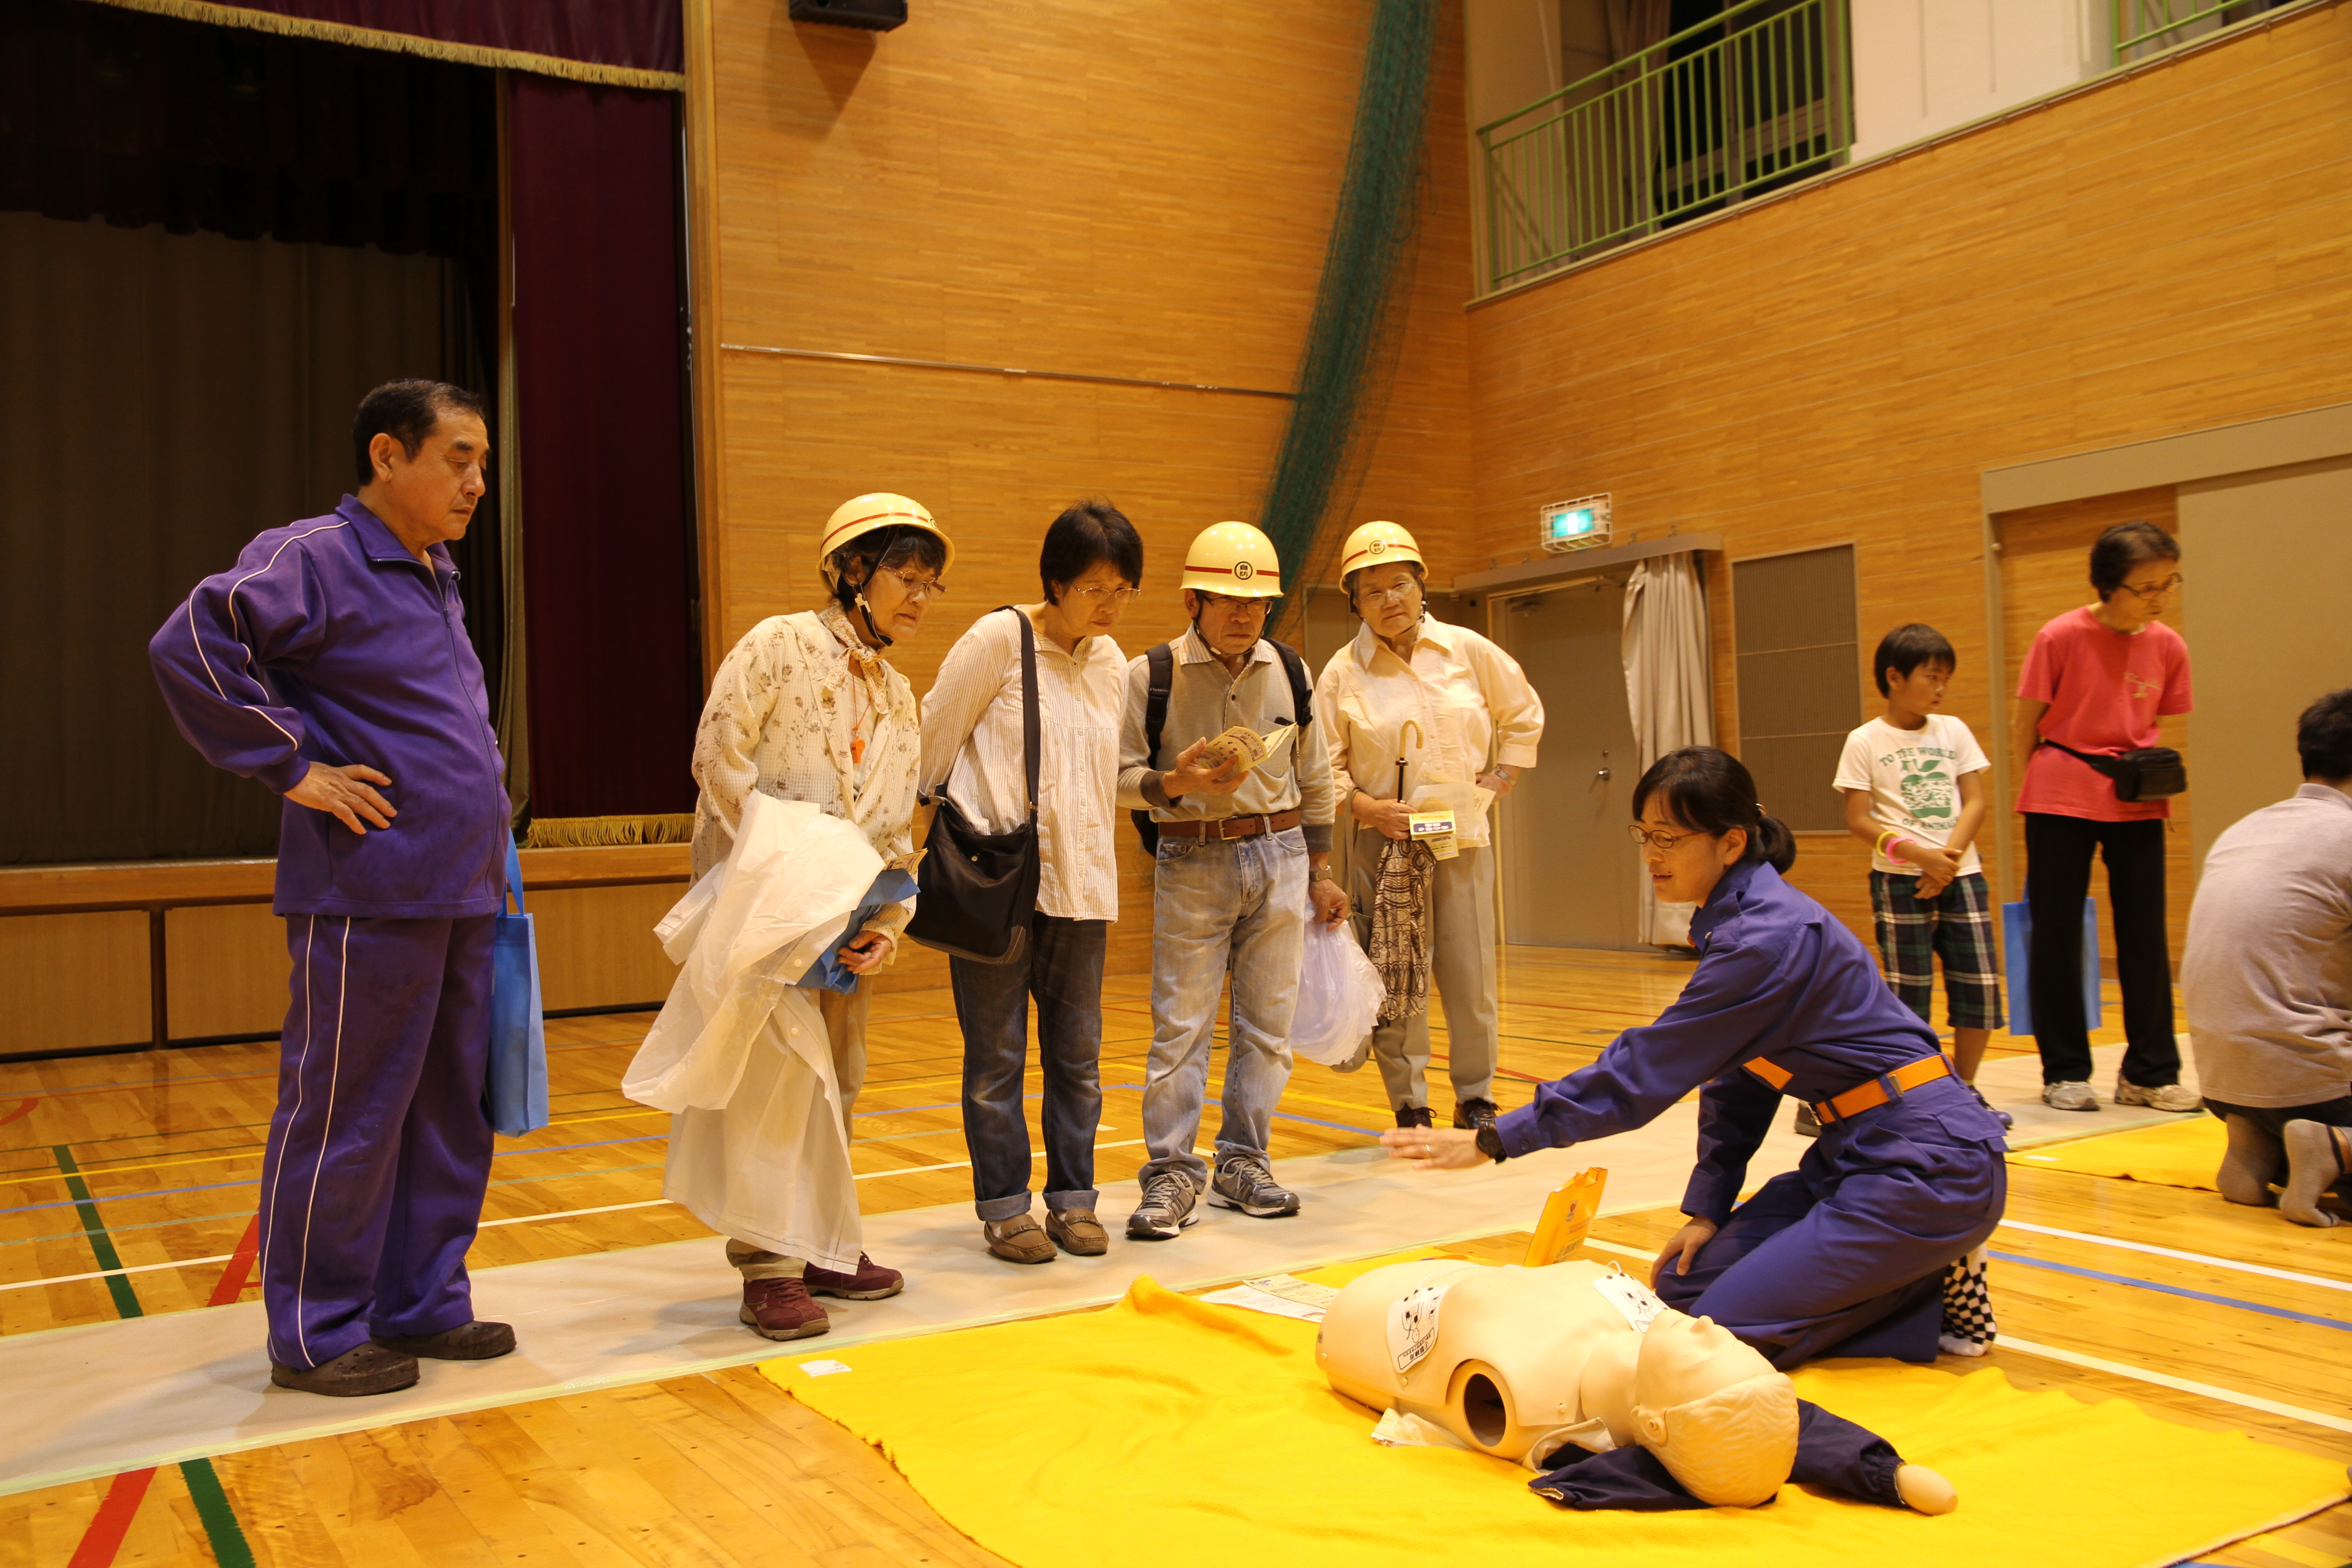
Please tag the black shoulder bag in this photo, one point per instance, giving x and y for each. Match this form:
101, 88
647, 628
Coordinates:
2151, 772
976, 891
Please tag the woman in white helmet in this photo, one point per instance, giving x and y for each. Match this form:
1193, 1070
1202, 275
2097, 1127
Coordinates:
806, 707
1413, 700
1091, 566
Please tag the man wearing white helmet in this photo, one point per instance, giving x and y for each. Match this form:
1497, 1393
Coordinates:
1412, 700
1242, 854
806, 707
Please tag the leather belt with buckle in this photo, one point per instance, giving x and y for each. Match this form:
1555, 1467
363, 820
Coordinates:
1868, 1096
1226, 827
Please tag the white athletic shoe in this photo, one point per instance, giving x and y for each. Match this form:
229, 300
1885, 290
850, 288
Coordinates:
2072, 1094
2163, 1097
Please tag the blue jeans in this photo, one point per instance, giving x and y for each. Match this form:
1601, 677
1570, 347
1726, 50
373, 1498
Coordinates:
1245, 899
1062, 967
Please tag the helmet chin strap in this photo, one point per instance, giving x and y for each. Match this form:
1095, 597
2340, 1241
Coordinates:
866, 612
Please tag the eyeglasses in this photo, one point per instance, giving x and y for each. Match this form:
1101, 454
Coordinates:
1238, 607
1658, 839
1394, 595
2154, 591
1096, 598
916, 588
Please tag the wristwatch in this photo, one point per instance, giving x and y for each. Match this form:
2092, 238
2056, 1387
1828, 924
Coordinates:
1490, 1144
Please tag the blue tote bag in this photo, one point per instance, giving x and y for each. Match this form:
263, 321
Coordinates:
518, 1097
2017, 925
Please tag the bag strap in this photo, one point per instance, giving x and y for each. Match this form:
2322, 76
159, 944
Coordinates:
1160, 666
1302, 691
2111, 766
1029, 743
514, 875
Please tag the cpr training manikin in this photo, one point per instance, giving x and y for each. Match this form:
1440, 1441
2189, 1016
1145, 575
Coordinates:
1577, 1370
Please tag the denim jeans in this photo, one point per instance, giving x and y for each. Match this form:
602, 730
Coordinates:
1062, 967
1212, 900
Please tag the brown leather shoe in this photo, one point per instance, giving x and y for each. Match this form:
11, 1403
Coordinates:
781, 1309
1077, 1232
871, 1282
1018, 1240
365, 1368
477, 1340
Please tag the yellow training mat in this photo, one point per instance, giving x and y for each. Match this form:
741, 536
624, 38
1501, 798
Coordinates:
2184, 1154
1164, 1430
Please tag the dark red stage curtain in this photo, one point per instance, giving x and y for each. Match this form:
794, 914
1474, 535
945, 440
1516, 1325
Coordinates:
614, 677
644, 34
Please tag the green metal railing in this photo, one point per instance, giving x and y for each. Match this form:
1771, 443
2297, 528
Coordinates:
2144, 27
1750, 100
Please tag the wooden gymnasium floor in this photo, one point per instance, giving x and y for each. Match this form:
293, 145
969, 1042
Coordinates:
147, 1163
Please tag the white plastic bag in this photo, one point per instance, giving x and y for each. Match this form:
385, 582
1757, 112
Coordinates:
1339, 996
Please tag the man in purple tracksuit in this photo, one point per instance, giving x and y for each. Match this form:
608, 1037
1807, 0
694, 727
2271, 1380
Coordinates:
331, 664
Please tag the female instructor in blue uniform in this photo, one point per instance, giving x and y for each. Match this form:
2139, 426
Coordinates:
1846, 1254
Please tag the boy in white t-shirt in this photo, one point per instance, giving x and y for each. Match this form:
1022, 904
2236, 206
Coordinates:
1915, 792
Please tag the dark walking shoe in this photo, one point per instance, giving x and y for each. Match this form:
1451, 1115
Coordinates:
1473, 1115
1243, 1183
1168, 1206
366, 1368
1018, 1240
1806, 1124
2003, 1117
1413, 1116
781, 1309
870, 1282
1077, 1232
476, 1341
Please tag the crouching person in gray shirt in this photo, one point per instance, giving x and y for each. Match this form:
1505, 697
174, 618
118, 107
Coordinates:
2267, 977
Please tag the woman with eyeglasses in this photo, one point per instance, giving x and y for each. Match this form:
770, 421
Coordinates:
1412, 700
2095, 683
1848, 1254
1090, 568
807, 707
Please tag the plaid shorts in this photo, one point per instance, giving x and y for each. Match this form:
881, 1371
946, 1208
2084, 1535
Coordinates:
1955, 925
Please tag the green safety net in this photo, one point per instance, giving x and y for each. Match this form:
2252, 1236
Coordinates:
1343, 371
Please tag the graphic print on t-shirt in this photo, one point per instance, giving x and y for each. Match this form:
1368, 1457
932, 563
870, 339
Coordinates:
1913, 777
1929, 794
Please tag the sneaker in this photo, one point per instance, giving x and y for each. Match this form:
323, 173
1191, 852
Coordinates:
781, 1309
2003, 1117
1168, 1206
1077, 1232
1806, 1124
1018, 1240
1243, 1183
1413, 1116
477, 1340
868, 1282
1474, 1113
2071, 1095
2156, 1096
365, 1368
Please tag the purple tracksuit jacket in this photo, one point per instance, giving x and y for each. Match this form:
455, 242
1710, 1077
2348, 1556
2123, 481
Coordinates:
1849, 1249
328, 642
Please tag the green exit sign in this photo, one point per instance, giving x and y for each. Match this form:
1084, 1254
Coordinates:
1575, 525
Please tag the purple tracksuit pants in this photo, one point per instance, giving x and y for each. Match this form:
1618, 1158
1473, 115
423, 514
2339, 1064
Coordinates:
379, 1149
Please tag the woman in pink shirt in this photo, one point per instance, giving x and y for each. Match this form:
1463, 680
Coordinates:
2096, 681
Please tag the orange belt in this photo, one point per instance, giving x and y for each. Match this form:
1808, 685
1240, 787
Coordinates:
1869, 1096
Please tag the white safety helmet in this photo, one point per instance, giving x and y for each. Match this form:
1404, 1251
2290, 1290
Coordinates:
863, 514
1236, 560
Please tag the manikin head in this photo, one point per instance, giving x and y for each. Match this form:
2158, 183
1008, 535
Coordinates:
1714, 1410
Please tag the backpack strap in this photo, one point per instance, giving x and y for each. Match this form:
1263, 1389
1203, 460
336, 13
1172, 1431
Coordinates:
1302, 691
1160, 664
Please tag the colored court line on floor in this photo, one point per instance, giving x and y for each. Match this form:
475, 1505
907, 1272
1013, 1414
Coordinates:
239, 1272
103, 1537
2180, 1290
221, 1531
102, 1247
2206, 1258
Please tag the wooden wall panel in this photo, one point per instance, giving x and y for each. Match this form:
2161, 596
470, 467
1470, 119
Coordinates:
596, 946
1120, 188
224, 970
2044, 573
74, 980
2162, 253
